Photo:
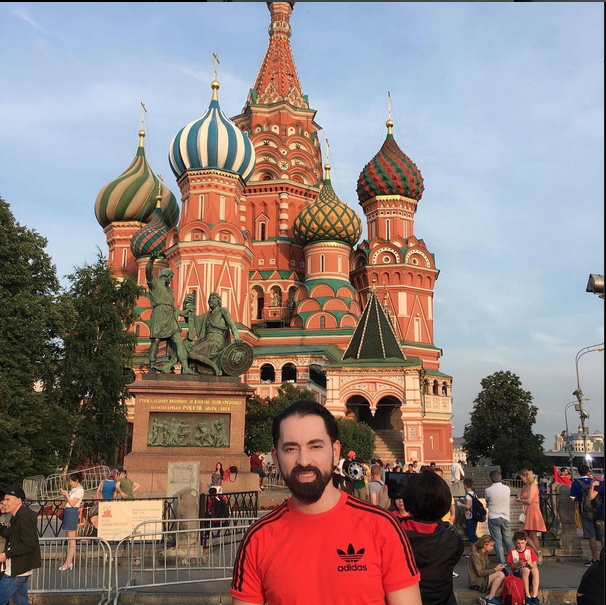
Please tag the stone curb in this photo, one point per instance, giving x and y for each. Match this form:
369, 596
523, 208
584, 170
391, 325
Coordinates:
464, 597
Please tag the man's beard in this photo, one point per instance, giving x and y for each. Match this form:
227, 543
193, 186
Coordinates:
311, 492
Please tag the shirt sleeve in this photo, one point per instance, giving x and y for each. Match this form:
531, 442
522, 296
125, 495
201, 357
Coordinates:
510, 557
398, 566
533, 555
246, 583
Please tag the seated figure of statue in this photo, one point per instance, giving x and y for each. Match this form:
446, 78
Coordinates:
214, 329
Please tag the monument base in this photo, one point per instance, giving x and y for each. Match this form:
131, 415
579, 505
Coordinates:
189, 418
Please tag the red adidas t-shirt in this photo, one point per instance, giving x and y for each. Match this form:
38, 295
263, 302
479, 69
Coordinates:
528, 555
351, 554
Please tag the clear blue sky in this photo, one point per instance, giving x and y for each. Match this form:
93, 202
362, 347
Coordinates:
500, 105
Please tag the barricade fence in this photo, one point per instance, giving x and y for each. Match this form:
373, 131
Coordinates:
229, 504
53, 484
49, 514
91, 572
183, 551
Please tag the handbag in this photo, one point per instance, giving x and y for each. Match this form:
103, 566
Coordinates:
522, 517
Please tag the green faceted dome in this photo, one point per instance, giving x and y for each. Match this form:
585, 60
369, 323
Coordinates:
327, 219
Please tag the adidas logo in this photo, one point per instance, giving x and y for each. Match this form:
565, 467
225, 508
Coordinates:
351, 557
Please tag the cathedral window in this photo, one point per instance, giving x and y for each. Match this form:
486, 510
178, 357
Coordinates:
387, 229
322, 322
322, 263
289, 373
435, 388
222, 208
268, 374
201, 208
262, 232
124, 257
417, 325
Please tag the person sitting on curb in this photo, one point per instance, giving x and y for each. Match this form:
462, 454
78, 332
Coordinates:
523, 563
256, 466
482, 577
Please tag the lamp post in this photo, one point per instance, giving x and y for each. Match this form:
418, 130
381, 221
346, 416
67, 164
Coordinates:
568, 446
578, 393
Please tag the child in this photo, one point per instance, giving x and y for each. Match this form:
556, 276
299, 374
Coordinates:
471, 525
523, 562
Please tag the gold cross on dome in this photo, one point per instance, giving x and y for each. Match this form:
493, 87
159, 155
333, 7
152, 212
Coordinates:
143, 112
217, 62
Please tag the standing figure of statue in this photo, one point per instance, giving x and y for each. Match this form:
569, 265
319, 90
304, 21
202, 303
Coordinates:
164, 323
214, 330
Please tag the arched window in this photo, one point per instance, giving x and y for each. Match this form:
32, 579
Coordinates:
426, 386
268, 374
262, 234
222, 208
388, 229
289, 373
436, 390
322, 322
444, 389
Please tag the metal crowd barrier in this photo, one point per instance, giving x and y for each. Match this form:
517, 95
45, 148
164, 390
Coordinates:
240, 505
274, 479
49, 524
53, 484
91, 573
182, 551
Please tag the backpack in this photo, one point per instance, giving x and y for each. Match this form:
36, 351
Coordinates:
478, 512
589, 508
383, 499
513, 591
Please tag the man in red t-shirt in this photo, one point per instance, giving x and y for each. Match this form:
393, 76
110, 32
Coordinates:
322, 545
523, 562
256, 466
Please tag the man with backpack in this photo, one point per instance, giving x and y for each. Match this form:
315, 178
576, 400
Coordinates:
377, 489
589, 509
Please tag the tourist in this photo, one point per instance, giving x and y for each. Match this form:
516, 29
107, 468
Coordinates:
523, 563
534, 523
106, 491
471, 524
218, 477
497, 498
22, 551
321, 545
125, 487
71, 512
481, 576
437, 546
256, 466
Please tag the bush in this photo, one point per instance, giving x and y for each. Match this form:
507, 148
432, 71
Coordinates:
356, 436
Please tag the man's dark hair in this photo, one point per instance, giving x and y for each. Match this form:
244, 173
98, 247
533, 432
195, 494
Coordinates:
468, 482
583, 470
306, 408
426, 496
495, 476
520, 535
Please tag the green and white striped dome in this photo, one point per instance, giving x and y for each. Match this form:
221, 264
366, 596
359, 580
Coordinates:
132, 196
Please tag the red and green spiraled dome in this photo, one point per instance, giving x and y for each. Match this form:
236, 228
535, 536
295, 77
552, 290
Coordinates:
327, 219
132, 196
151, 238
390, 172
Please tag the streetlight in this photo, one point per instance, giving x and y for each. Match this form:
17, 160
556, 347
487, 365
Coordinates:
578, 393
568, 446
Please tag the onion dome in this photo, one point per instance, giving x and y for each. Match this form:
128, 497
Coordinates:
132, 196
151, 238
390, 172
212, 141
327, 219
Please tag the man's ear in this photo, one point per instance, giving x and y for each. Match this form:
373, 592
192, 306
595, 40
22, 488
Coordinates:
336, 452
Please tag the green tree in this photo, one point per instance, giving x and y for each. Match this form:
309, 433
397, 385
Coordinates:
28, 343
261, 411
356, 436
501, 426
98, 311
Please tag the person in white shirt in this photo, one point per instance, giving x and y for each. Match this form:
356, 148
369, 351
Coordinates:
456, 472
70, 516
497, 498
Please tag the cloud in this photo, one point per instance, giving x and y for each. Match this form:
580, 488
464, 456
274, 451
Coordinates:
21, 13
549, 340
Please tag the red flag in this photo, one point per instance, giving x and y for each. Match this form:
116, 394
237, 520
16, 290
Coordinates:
559, 479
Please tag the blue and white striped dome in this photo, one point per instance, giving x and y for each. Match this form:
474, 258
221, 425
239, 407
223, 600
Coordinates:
212, 141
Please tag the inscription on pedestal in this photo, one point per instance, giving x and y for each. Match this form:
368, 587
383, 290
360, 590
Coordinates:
182, 475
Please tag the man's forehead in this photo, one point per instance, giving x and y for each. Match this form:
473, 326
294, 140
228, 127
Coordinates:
303, 428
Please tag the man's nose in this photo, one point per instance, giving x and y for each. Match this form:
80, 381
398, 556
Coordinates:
304, 456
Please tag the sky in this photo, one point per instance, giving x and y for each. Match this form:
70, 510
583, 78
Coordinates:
500, 105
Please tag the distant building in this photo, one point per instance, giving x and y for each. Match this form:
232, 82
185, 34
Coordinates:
575, 442
457, 451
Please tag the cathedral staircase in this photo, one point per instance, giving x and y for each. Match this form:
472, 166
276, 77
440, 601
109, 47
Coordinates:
389, 446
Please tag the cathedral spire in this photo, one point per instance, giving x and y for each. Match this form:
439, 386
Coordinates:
278, 80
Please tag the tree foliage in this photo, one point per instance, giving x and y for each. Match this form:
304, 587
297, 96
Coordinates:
28, 340
501, 426
97, 311
261, 411
356, 436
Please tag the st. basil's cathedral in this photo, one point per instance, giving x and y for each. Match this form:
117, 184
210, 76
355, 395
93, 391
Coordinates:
260, 224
